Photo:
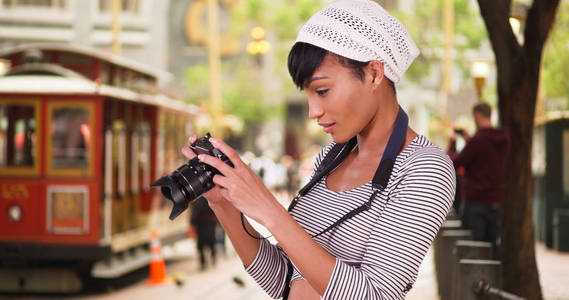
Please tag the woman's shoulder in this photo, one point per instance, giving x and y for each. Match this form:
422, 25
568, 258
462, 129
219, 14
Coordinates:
422, 152
426, 168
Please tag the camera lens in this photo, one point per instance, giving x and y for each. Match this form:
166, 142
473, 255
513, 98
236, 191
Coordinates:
186, 184
191, 180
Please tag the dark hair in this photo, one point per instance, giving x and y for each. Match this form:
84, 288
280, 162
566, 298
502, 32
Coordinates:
483, 108
304, 59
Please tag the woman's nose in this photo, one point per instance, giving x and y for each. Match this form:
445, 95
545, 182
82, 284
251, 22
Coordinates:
315, 110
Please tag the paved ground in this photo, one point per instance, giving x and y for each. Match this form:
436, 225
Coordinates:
553, 269
214, 284
218, 283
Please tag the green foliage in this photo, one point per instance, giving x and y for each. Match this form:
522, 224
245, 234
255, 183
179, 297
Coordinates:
556, 60
240, 97
197, 82
424, 23
281, 19
242, 83
243, 92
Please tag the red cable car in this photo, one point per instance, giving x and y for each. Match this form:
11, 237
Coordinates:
83, 133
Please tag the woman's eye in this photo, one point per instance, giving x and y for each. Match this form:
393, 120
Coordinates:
322, 92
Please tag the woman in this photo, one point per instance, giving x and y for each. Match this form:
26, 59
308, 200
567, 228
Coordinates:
346, 59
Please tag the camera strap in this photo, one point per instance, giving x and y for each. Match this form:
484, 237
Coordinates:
335, 156
340, 151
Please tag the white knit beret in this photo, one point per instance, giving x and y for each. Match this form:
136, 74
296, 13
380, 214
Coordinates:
362, 30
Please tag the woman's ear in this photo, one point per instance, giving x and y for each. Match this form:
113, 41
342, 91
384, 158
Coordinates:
375, 69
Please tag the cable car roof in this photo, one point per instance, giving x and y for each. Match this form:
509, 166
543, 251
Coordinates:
91, 52
58, 85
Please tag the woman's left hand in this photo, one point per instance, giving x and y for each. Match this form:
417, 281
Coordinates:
241, 186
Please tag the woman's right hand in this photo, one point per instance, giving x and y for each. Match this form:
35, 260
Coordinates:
213, 196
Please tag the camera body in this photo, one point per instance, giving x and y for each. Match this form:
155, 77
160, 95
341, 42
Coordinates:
203, 146
192, 179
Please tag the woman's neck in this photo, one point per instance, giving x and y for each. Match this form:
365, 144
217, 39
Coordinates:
373, 139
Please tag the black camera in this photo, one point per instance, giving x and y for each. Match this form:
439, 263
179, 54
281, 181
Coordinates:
459, 131
191, 180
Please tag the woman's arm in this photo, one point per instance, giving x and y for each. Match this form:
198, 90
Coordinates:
229, 217
403, 232
246, 192
315, 264
398, 243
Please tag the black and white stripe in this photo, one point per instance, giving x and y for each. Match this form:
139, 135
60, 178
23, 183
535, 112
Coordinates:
378, 252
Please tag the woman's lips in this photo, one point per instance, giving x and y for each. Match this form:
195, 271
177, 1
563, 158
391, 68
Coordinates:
328, 127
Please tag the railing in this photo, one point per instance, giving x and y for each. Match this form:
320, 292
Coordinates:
483, 288
464, 268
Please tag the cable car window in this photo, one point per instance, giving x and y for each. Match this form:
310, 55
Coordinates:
144, 154
17, 135
70, 137
70, 140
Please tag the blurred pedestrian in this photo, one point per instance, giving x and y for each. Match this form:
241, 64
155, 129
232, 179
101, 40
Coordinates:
380, 191
484, 161
205, 222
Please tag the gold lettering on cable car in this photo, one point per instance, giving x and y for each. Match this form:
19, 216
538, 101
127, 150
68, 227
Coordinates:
68, 209
15, 191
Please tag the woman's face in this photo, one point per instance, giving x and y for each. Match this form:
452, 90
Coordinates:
341, 103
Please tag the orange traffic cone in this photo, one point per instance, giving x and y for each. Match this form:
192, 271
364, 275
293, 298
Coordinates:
157, 264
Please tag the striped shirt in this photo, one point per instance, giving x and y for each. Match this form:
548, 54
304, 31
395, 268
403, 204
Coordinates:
378, 252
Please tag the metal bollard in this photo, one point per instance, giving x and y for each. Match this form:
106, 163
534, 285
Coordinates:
448, 224
483, 288
437, 246
467, 250
471, 271
444, 259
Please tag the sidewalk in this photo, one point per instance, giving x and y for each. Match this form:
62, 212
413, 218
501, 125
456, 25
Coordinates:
218, 283
553, 269
215, 283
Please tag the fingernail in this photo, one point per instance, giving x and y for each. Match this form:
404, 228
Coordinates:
214, 141
201, 157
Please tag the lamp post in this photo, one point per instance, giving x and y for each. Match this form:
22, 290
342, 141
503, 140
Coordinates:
479, 71
258, 46
214, 63
116, 9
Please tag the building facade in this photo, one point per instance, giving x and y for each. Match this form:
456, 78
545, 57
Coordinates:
143, 33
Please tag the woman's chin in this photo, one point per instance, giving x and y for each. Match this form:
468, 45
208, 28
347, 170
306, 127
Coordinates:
340, 138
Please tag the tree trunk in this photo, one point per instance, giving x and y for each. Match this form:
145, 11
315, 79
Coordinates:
518, 70
520, 274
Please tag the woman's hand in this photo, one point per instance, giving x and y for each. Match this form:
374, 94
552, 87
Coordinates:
241, 186
213, 196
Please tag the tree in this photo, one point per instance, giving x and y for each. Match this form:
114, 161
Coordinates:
518, 68
424, 23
